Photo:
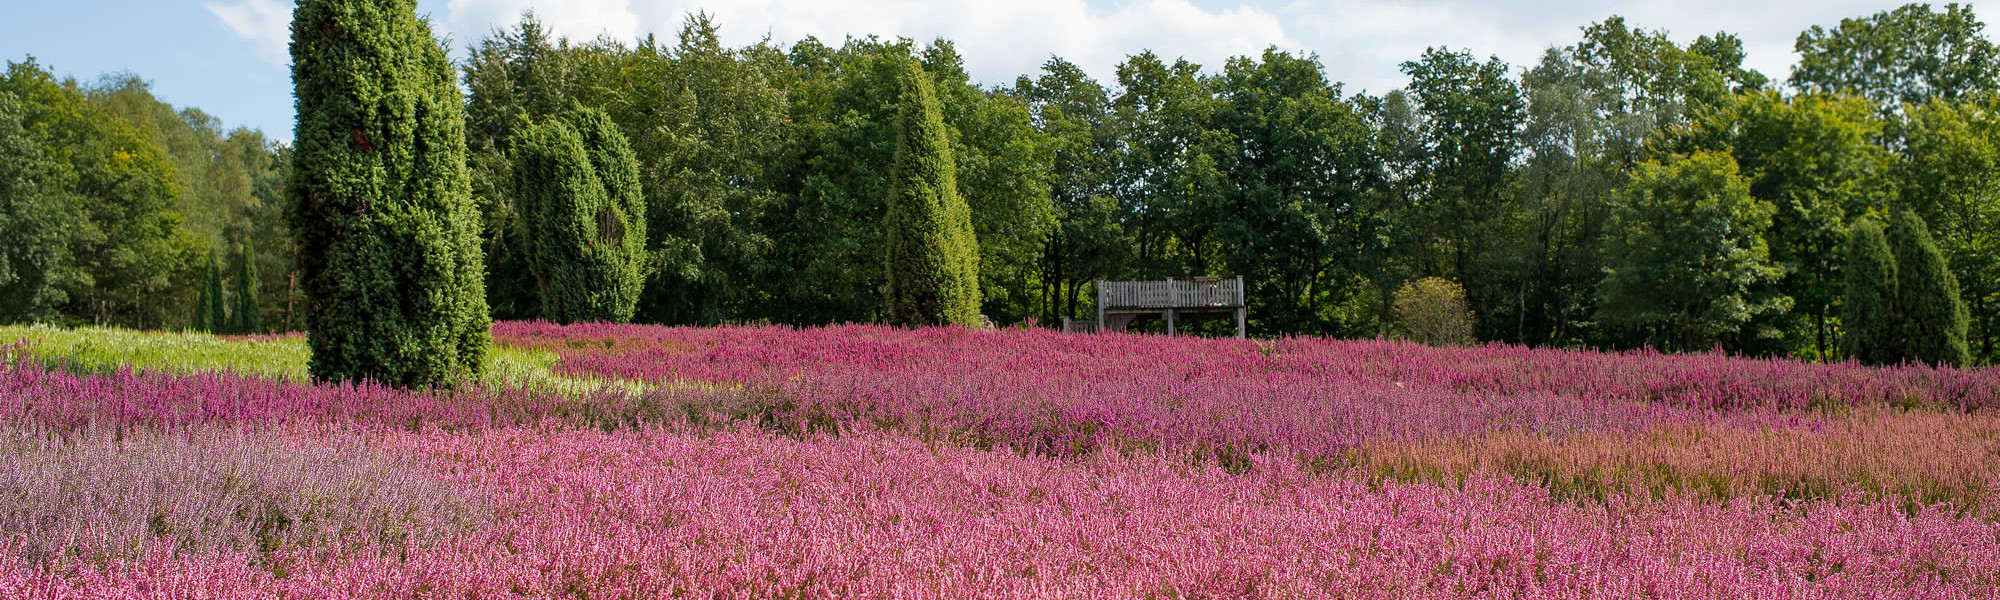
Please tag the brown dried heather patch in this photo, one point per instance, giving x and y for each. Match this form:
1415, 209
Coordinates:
1923, 457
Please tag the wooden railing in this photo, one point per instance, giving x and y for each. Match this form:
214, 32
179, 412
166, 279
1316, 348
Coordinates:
1201, 292
1080, 326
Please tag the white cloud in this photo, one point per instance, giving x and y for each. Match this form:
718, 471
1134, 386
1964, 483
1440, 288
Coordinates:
266, 24
1364, 41
1361, 42
575, 19
999, 39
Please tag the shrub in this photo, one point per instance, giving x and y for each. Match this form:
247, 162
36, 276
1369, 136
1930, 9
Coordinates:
388, 236
1868, 310
1931, 318
1432, 311
244, 314
210, 314
584, 218
932, 256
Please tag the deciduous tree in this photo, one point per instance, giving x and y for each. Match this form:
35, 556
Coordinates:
1910, 54
1685, 259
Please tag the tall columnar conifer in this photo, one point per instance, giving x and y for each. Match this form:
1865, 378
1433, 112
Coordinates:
244, 314
1931, 315
577, 183
388, 249
210, 313
1868, 309
933, 259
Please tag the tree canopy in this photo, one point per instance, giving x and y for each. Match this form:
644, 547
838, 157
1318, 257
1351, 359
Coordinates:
1627, 188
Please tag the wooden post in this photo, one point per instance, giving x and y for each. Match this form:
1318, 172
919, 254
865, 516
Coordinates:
1099, 289
1242, 311
1170, 321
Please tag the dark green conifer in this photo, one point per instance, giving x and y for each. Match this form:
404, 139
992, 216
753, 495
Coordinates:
388, 236
1931, 317
210, 314
577, 184
244, 314
1868, 310
933, 259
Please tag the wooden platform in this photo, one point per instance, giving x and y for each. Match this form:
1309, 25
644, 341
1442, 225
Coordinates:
1119, 303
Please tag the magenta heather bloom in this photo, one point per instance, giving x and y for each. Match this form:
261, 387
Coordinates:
859, 461
653, 513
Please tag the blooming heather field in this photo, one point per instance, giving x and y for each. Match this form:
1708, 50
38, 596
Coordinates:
649, 462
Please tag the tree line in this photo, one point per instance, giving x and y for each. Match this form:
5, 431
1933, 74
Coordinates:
1622, 191
119, 209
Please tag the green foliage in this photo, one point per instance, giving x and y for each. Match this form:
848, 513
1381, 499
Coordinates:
1868, 307
1472, 117
1295, 212
1906, 55
1087, 242
245, 312
387, 233
106, 349
1574, 153
825, 224
1432, 311
1684, 253
35, 223
712, 126
115, 195
1948, 172
765, 174
1656, 84
1819, 160
1930, 317
511, 77
210, 309
1003, 167
578, 194
230, 182
1169, 186
932, 257
127, 242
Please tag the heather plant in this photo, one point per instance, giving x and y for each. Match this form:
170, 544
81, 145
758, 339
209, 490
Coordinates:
1917, 458
1168, 466
1010, 366
94, 496
1324, 398
389, 259
67, 401
653, 513
1584, 424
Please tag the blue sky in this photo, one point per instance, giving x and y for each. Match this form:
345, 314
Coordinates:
227, 57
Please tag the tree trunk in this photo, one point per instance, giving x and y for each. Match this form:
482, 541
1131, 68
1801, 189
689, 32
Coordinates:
1819, 319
